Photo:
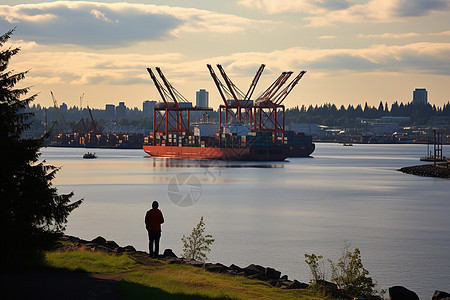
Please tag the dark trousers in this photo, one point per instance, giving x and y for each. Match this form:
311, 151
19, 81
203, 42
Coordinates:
153, 237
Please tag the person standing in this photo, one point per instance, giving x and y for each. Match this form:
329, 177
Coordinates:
153, 221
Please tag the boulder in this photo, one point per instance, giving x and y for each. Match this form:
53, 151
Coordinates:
439, 295
272, 273
99, 240
284, 277
111, 245
401, 293
194, 263
330, 289
129, 248
169, 253
216, 268
258, 276
253, 269
297, 285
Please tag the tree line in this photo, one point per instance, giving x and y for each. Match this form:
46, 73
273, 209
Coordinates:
329, 114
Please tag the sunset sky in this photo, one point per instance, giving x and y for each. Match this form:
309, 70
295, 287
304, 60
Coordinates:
353, 50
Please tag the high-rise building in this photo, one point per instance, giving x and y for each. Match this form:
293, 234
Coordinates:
202, 98
147, 107
110, 111
121, 110
420, 96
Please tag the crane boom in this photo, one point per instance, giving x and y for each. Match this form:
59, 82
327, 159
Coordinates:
60, 116
268, 94
219, 84
233, 89
285, 92
162, 92
252, 87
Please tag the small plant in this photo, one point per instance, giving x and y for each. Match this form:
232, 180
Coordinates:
317, 267
348, 273
197, 244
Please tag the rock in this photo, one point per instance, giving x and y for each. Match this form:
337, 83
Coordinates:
258, 276
272, 273
297, 285
216, 268
236, 269
111, 244
194, 263
129, 248
284, 277
401, 293
439, 295
253, 269
99, 240
330, 289
283, 283
169, 253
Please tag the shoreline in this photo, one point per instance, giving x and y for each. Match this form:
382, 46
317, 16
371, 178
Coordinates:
439, 171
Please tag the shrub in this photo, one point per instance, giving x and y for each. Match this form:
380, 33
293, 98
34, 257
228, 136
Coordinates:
197, 244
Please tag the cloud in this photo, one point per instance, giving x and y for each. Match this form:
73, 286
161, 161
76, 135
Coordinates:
95, 24
84, 68
444, 33
327, 12
327, 37
390, 35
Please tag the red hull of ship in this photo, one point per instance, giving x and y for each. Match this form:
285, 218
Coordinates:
216, 153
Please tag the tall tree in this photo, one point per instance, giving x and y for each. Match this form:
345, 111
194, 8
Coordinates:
31, 211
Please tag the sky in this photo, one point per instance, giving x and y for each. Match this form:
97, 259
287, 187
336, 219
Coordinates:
354, 51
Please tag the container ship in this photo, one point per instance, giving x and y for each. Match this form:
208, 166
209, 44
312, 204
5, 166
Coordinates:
247, 131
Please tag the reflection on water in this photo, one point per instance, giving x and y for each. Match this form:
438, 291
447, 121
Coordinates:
273, 213
181, 163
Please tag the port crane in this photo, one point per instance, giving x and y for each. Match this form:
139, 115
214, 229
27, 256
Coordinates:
269, 105
173, 114
237, 105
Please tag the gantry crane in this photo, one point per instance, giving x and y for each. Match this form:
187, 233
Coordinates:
173, 114
237, 105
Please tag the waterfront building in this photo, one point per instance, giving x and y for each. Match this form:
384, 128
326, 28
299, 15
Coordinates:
147, 108
202, 98
121, 110
420, 96
110, 111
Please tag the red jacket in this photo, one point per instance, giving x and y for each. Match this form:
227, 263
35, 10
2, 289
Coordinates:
153, 220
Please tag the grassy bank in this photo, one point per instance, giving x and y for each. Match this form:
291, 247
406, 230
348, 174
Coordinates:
158, 280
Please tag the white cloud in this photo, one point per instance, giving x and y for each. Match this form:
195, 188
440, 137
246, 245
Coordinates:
69, 22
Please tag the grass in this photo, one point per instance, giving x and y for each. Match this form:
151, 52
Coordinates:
91, 262
170, 281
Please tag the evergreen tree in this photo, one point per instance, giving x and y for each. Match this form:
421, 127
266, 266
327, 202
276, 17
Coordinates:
32, 213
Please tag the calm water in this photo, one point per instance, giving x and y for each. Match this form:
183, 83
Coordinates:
273, 213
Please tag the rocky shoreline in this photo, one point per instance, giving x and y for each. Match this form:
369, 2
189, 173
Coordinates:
428, 170
266, 274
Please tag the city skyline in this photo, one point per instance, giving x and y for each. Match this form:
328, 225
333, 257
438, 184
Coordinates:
353, 51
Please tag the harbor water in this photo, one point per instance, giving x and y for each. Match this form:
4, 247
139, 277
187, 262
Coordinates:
271, 214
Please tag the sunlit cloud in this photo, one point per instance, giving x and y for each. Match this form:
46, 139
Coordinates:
328, 12
325, 37
84, 68
390, 35
113, 24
